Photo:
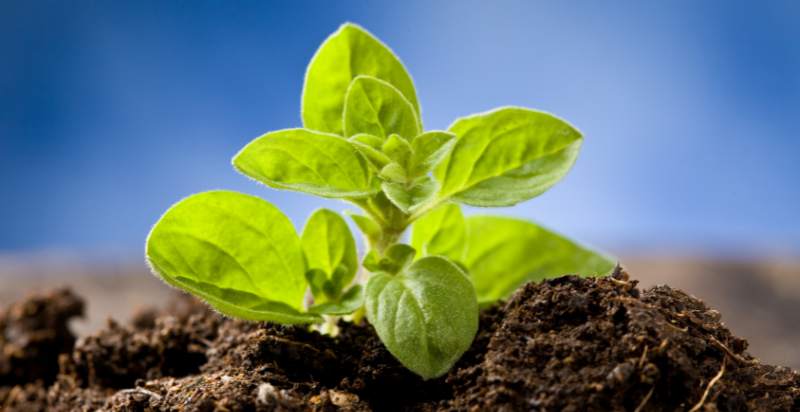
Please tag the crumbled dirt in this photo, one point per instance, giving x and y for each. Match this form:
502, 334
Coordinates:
569, 344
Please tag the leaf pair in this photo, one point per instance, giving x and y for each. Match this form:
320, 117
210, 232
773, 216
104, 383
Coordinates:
332, 262
243, 256
352, 53
502, 253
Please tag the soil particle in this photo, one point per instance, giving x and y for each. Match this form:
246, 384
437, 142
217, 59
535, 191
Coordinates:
570, 344
32, 335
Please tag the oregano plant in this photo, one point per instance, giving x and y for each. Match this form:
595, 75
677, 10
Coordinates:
363, 142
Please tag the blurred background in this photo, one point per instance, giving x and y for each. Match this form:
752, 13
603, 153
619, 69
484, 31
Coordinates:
111, 111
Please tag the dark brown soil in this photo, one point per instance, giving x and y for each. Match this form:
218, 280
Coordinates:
568, 344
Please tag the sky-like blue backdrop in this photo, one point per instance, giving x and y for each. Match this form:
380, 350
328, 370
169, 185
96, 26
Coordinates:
111, 111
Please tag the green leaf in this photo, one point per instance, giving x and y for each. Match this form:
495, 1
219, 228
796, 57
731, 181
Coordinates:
394, 172
503, 253
348, 303
398, 149
318, 281
398, 257
306, 161
349, 52
369, 227
243, 305
370, 147
376, 107
408, 199
372, 261
426, 316
328, 245
441, 232
429, 149
507, 156
237, 252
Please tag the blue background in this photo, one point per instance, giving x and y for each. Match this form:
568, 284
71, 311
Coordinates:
111, 111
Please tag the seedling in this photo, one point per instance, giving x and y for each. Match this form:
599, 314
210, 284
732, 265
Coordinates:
363, 142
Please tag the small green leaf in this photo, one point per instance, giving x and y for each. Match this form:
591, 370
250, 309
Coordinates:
394, 172
348, 303
408, 199
396, 258
401, 255
369, 227
376, 107
372, 261
429, 149
318, 281
503, 253
507, 156
441, 232
398, 149
329, 246
426, 316
306, 161
370, 147
347, 53
237, 252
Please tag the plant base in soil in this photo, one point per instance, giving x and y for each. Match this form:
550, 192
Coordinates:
569, 344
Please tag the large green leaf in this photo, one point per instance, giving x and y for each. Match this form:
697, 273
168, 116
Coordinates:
427, 316
441, 232
347, 53
507, 156
375, 107
238, 252
307, 161
503, 253
329, 245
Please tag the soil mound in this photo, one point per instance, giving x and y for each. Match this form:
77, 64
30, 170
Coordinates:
569, 344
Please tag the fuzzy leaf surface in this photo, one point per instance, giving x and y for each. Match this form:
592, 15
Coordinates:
427, 316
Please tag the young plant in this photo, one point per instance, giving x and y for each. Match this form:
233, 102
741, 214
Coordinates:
363, 142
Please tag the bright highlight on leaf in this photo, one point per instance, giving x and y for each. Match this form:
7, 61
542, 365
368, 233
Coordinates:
363, 141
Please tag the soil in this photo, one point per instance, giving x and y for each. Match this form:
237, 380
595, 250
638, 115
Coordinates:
568, 344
